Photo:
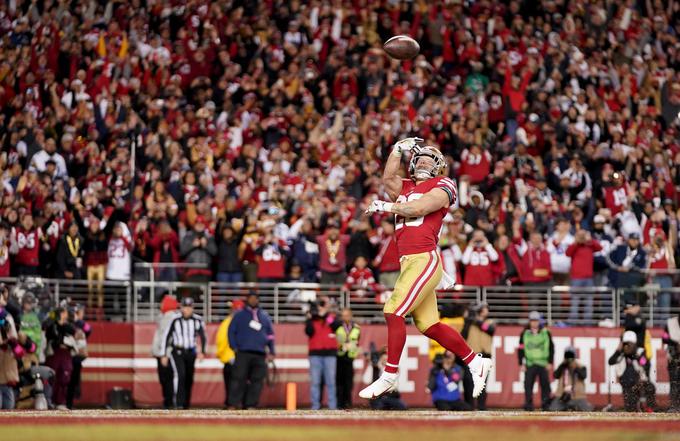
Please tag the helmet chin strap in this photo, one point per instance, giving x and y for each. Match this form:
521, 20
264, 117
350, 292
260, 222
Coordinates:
422, 174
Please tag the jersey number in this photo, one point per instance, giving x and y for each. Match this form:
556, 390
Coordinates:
401, 222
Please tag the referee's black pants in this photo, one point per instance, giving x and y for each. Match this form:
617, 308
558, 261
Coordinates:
183, 365
247, 379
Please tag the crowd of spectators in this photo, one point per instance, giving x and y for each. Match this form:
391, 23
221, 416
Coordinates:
247, 138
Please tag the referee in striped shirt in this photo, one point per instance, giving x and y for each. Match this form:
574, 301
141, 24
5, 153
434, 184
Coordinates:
179, 345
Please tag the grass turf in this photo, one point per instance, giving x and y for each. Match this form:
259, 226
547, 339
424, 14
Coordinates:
207, 432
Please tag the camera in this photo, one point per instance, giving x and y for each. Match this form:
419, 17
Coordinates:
314, 307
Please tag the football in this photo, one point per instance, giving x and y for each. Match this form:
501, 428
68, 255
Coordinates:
401, 47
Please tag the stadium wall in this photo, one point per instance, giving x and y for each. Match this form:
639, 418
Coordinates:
119, 356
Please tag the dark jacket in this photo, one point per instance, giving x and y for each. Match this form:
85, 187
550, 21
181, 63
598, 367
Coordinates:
634, 277
243, 337
227, 251
305, 252
67, 261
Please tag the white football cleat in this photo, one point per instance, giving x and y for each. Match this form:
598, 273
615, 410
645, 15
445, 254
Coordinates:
385, 384
479, 368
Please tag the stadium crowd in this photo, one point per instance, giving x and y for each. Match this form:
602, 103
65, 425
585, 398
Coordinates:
247, 138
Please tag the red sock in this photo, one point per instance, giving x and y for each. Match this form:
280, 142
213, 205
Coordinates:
451, 340
396, 339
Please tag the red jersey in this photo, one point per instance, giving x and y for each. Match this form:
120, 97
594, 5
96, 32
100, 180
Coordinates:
476, 166
616, 198
479, 265
659, 260
28, 245
421, 234
650, 231
271, 261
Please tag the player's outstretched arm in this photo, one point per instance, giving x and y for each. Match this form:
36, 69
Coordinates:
391, 179
431, 201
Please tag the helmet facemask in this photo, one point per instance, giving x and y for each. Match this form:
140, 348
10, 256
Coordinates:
430, 170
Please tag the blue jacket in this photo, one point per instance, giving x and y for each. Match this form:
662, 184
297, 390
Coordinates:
634, 277
243, 337
306, 253
445, 386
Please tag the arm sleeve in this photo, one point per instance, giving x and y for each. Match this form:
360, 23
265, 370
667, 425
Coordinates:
232, 332
432, 381
582, 372
270, 335
491, 251
201, 334
520, 351
466, 255
551, 355
614, 359
165, 342
559, 371
449, 187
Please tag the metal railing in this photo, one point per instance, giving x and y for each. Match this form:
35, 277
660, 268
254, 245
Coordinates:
289, 302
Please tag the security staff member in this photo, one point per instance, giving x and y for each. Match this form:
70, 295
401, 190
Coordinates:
347, 336
251, 334
180, 337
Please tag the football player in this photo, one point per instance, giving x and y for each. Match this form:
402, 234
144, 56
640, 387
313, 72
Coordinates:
419, 204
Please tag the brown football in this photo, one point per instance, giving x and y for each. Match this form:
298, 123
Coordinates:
401, 47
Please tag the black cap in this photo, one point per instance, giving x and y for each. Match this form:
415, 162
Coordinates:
187, 301
634, 236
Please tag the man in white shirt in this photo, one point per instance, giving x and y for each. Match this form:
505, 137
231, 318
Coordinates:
49, 152
557, 247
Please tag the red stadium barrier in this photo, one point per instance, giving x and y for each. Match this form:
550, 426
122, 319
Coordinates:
119, 355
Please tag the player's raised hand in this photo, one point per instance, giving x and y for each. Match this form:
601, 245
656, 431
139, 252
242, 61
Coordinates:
379, 207
406, 144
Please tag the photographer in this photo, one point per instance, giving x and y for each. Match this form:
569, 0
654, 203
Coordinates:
198, 247
671, 338
444, 384
320, 327
630, 364
571, 386
9, 373
478, 332
60, 343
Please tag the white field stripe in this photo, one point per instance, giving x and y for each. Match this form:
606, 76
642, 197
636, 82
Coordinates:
418, 286
209, 363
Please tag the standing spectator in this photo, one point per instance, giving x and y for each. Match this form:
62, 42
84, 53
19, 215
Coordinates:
119, 258
26, 242
229, 267
96, 244
5, 261
536, 353
166, 374
320, 327
535, 269
627, 263
571, 386
9, 373
60, 342
347, 335
557, 247
662, 263
198, 247
478, 259
600, 259
271, 258
165, 245
332, 255
671, 338
305, 251
630, 361
82, 333
444, 384
70, 253
224, 351
40, 160
475, 163
180, 340
582, 255
387, 259
478, 332
360, 282
251, 334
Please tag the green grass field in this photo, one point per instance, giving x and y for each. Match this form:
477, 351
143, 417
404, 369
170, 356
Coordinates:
207, 425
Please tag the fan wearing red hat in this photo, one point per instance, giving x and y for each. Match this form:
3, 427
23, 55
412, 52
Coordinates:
224, 351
